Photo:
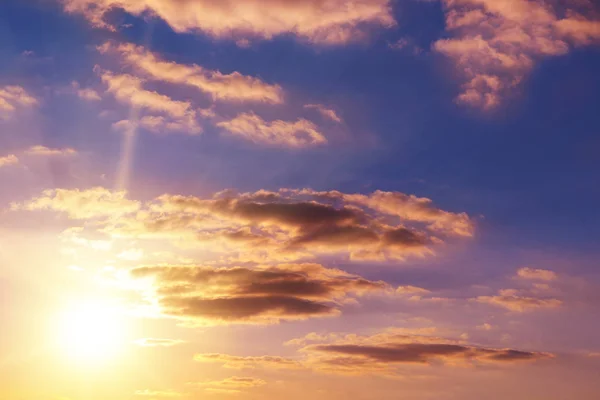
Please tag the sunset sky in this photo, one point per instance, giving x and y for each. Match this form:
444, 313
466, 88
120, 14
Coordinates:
299, 199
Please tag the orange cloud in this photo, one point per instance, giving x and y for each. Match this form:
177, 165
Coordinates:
77, 204
46, 151
536, 274
267, 226
10, 159
13, 97
225, 87
208, 295
87, 94
325, 22
496, 43
511, 300
253, 128
249, 362
383, 353
234, 384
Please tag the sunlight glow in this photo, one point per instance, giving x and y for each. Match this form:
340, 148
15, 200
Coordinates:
91, 332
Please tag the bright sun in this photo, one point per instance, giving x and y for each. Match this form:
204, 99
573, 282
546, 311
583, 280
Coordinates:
91, 332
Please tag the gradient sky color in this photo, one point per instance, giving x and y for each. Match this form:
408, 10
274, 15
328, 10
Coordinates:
341, 199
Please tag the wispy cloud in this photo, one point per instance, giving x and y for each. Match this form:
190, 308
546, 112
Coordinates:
326, 112
91, 203
40, 150
513, 301
13, 98
234, 384
536, 274
248, 362
224, 87
251, 127
128, 89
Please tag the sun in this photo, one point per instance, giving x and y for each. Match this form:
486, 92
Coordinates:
91, 332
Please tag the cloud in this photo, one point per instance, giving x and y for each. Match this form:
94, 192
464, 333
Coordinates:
383, 353
496, 44
412, 290
127, 89
292, 224
234, 384
536, 274
324, 111
46, 151
253, 128
248, 362
484, 327
511, 300
224, 87
10, 159
267, 227
88, 204
158, 393
207, 295
87, 94
151, 342
14, 97
324, 22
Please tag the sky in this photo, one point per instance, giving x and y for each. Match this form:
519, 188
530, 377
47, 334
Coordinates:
340, 199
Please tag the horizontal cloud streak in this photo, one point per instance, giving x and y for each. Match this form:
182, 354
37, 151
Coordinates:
251, 127
264, 295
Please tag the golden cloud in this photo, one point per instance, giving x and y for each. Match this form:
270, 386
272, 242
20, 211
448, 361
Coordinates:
234, 384
248, 362
326, 22
267, 226
87, 204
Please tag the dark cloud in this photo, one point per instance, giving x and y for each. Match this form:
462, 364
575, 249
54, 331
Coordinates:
424, 352
271, 227
383, 353
262, 295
